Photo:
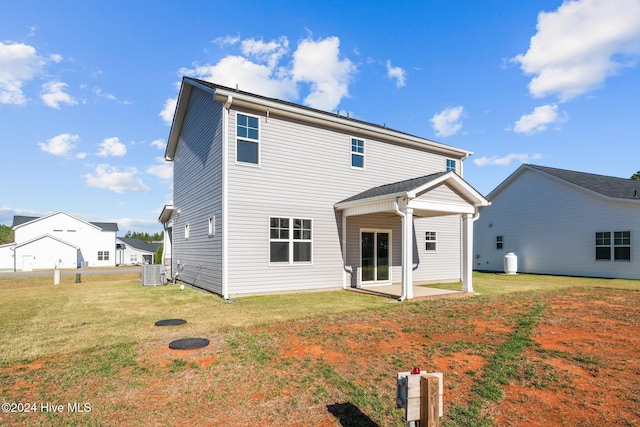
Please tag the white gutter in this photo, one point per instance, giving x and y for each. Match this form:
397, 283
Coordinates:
225, 198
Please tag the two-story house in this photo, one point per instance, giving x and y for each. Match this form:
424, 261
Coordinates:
271, 196
59, 240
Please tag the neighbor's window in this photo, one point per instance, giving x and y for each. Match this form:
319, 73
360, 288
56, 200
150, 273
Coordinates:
603, 245
289, 240
622, 245
186, 231
499, 242
430, 239
357, 153
133, 258
103, 255
212, 225
451, 165
248, 141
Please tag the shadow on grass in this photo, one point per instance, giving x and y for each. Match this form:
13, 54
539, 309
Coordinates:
350, 415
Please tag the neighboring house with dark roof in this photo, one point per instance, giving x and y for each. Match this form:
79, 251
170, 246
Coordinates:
131, 251
561, 222
59, 240
271, 196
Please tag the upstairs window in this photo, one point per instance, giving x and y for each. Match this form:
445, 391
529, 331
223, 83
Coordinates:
248, 141
430, 239
451, 165
357, 153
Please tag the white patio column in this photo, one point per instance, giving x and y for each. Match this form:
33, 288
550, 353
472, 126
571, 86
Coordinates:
407, 252
467, 252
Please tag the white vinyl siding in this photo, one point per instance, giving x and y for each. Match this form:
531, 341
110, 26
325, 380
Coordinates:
285, 187
198, 194
551, 227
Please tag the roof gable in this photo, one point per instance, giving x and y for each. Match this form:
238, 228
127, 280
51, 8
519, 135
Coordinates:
19, 221
609, 187
415, 187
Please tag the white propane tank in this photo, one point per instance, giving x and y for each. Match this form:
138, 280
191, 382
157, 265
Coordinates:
510, 263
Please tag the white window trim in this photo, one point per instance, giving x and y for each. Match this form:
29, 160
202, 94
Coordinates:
435, 240
257, 141
446, 165
290, 240
375, 282
212, 225
352, 153
614, 246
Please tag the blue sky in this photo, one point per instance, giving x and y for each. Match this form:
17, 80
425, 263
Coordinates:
87, 89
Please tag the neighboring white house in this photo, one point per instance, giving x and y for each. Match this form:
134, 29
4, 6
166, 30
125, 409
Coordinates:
561, 222
271, 196
58, 240
130, 251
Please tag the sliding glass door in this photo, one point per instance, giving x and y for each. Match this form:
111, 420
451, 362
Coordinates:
375, 253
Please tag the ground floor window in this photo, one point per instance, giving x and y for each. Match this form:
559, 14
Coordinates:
499, 242
290, 240
103, 255
430, 239
619, 246
133, 258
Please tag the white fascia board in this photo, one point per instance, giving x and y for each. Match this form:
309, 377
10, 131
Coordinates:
426, 205
45, 236
165, 215
56, 213
369, 201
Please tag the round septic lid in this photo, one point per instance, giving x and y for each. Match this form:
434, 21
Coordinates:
170, 322
189, 343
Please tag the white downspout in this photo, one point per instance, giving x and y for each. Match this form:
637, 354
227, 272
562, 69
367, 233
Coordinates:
225, 199
344, 251
403, 294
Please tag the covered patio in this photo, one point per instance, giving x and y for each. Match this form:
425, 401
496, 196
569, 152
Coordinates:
439, 194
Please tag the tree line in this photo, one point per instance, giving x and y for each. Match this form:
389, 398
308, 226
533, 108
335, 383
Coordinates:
146, 237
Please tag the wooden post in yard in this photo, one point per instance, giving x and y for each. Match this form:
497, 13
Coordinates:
429, 401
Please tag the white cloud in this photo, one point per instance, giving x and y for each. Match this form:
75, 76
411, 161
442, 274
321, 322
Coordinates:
168, 110
163, 170
160, 144
448, 122
19, 63
111, 178
112, 147
580, 44
226, 40
396, 73
506, 160
259, 70
269, 52
53, 95
539, 120
60, 145
318, 63
233, 71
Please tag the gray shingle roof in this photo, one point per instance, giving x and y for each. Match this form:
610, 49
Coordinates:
139, 244
609, 186
396, 187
